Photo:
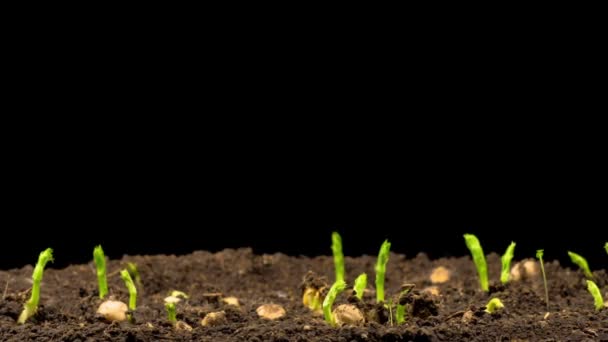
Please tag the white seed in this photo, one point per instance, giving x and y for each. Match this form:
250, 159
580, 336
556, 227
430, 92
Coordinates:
232, 301
214, 318
113, 310
432, 290
270, 311
440, 275
348, 314
531, 267
172, 299
181, 325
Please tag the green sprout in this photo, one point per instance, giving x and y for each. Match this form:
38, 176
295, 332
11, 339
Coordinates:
539, 255
100, 263
336, 248
400, 313
606, 247
329, 300
30, 307
381, 270
171, 315
360, 284
124, 274
581, 263
493, 305
132, 268
506, 263
597, 296
479, 259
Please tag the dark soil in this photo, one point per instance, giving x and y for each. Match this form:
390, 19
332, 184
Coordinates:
69, 301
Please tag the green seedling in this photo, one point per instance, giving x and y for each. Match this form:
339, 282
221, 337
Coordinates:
360, 284
124, 274
539, 255
506, 263
100, 263
400, 313
30, 307
381, 270
493, 305
329, 300
581, 263
132, 268
597, 296
606, 247
171, 315
479, 259
336, 248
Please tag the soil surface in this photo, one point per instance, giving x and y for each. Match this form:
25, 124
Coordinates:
454, 312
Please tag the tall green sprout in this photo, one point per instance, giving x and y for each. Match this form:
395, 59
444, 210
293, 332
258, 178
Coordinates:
360, 284
606, 247
539, 255
506, 263
329, 300
479, 259
124, 274
381, 270
30, 307
336, 248
132, 268
581, 263
100, 263
597, 296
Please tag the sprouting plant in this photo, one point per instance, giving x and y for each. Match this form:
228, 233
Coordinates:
597, 296
581, 263
171, 315
479, 259
506, 263
329, 300
493, 305
336, 248
132, 268
606, 247
381, 270
124, 274
400, 313
360, 284
100, 263
539, 255
178, 294
30, 307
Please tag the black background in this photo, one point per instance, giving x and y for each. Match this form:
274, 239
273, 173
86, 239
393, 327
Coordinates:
154, 200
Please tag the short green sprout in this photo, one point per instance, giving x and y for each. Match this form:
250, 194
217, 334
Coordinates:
132, 268
171, 315
597, 296
336, 248
493, 305
581, 262
360, 284
124, 274
381, 270
100, 263
606, 247
400, 313
329, 300
30, 307
479, 259
506, 263
539, 255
